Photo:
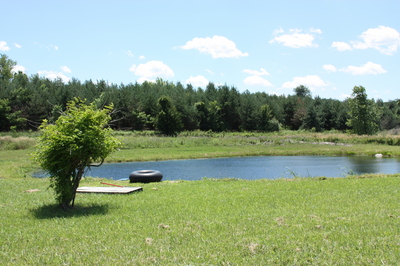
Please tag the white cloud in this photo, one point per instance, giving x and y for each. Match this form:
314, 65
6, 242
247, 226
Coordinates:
262, 72
18, 68
257, 80
368, 69
142, 57
65, 69
311, 81
384, 39
341, 46
217, 47
151, 70
47, 47
278, 31
316, 30
329, 68
54, 75
129, 53
296, 38
133, 68
17, 45
197, 81
3, 46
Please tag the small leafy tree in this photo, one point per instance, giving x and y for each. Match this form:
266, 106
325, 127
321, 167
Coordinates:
209, 116
168, 120
79, 138
268, 122
140, 120
315, 118
215, 116
6, 67
302, 91
364, 113
202, 113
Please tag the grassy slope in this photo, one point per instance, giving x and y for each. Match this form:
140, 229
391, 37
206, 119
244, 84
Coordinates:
226, 222
251, 150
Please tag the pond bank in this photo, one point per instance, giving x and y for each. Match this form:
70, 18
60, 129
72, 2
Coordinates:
19, 164
280, 149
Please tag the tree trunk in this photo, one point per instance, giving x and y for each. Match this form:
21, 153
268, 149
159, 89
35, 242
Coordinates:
76, 182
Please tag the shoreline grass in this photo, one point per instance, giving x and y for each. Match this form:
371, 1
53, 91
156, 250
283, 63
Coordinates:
148, 146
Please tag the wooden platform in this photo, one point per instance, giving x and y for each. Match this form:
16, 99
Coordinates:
108, 190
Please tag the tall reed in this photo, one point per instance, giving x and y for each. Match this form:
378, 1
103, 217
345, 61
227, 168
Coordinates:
18, 143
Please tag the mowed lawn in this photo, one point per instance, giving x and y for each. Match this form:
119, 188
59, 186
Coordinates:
298, 221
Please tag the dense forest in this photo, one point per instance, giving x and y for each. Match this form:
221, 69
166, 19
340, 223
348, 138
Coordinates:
173, 107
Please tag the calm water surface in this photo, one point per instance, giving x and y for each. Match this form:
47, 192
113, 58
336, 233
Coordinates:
270, 167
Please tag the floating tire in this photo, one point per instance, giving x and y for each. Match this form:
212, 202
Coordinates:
145, 176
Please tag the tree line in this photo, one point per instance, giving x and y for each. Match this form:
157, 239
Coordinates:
25, 101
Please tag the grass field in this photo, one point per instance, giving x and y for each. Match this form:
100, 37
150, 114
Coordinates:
337, 221
297, 221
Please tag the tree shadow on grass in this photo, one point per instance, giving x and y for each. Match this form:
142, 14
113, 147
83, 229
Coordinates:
55, 211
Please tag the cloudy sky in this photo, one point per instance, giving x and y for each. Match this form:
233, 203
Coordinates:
329, 46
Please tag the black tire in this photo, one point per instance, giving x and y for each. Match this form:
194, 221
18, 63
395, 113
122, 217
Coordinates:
145, 176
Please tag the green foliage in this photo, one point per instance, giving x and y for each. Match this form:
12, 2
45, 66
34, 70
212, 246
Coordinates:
168, 120
26, 101
6, 66
302, 91
215, 116
202, 113
5, 110
67, 148
268, 123
364, 113
314, 119
209, 116
140, 120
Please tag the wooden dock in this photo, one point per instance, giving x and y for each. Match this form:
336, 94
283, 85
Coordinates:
108, 190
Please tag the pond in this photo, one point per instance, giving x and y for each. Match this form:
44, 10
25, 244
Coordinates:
254, 167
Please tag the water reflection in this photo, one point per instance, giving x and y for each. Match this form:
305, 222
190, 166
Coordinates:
363, 164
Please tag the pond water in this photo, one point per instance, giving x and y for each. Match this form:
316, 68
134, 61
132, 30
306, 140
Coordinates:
258, 167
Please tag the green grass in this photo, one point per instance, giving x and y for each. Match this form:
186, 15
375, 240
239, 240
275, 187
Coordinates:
16, 143
291, 149
149, 139
300, 221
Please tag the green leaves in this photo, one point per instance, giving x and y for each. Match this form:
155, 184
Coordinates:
168, 120
78, 138
363, 113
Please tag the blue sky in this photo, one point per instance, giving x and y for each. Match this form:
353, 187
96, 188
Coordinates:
330, 46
